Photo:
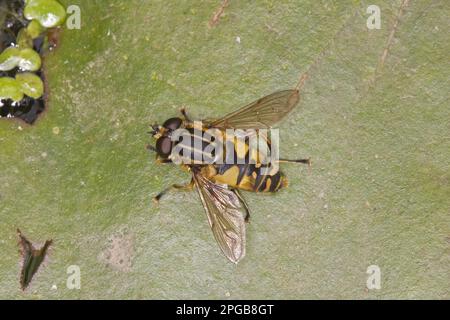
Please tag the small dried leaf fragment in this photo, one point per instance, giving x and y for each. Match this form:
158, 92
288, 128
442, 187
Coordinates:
32, 259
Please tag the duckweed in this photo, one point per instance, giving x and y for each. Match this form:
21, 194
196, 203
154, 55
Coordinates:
22, 96
24, 40
30, 84
49, 13
35, 29
10, 89
24, 84
30, 60
9, 59
26, 59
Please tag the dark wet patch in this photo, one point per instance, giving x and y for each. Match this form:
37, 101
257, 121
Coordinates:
27, 109
13, 14
32, 259
11, 22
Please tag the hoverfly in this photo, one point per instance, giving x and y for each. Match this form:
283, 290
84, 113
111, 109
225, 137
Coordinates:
219, 184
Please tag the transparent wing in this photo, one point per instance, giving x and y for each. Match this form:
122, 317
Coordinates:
260, 114
225, 216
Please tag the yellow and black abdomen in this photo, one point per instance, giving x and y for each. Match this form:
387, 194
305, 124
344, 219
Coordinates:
240, 167
247, 177
247, 172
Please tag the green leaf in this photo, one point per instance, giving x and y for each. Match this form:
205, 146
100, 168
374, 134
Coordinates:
27, 59
10, 89
30, 60
375, 125
49, 13
24, 40
31, 84
35, 29
9, 59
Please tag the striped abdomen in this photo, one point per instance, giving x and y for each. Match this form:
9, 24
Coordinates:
246, 177
237, 168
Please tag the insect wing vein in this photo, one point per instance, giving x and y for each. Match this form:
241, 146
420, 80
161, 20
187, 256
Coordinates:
225, 217
262, 113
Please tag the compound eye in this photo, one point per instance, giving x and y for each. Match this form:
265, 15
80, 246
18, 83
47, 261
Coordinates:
164, 146
172, 123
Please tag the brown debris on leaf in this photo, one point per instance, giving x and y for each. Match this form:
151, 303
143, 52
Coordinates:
218, 14
394, 29
32, 259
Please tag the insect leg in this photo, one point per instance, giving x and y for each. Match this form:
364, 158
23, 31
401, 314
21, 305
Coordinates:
244, 203
305, 161
185, 187
163, 161
184, 113
158, 159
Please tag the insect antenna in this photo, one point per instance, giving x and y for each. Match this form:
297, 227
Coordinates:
155, 129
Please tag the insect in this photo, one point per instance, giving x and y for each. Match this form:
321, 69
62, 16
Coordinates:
220, 184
